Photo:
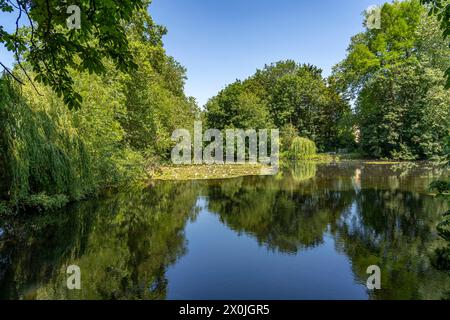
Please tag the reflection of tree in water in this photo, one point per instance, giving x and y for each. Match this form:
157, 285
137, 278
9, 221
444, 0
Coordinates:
285, 215
365, 208
394, 230
302, 171
123, 246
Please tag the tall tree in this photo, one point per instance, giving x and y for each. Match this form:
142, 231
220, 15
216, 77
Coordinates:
397, 76
441, 8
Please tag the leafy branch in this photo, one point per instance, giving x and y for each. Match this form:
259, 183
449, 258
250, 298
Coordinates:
51, 50
441, 9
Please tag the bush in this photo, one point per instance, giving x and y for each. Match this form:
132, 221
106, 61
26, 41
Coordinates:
45, 202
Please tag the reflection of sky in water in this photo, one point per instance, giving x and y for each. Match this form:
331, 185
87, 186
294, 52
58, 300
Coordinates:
351, 218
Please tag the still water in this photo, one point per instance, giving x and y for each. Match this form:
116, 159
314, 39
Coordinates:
309, 232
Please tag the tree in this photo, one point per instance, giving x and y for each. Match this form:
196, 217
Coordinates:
286, 95
396, 75
155, 101
236, 107
51, 155
52, 49
441, 8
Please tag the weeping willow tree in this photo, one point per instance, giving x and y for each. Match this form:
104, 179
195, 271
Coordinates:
42, 157
51, 155
302, 148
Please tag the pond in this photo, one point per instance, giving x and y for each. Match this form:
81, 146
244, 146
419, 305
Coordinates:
310, 232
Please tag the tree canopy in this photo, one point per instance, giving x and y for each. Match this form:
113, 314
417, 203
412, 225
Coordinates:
396, 75
441, 8
285, 95
51, 155
51, 49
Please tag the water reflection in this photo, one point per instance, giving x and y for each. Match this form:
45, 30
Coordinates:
122, 244
155, 244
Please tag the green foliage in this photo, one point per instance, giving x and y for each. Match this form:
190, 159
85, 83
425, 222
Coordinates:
404, 113
41, 153
51, 154
442, 254
45, 202
441, 8
52, 49
285, 95
443, 227
237, 107
154, 99
397, 76
4, 209
289, 133
440, 186
301, 148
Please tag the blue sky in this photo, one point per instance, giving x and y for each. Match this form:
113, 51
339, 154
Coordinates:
219, 41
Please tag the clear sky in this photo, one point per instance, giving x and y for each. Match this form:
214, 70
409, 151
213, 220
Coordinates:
219, 41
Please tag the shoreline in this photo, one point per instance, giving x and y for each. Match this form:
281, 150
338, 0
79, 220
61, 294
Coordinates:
42, 202
230, 171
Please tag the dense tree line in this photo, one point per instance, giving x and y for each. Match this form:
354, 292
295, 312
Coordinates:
293, 97
51, 154
396, 75
393, 76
